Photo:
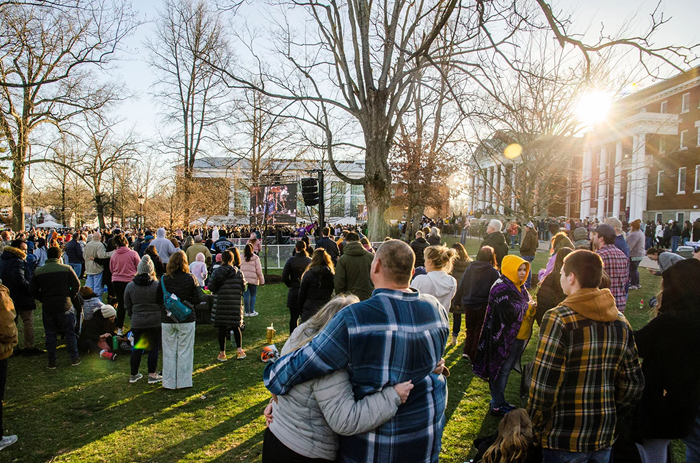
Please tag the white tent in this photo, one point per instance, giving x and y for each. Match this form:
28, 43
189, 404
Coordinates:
49, 224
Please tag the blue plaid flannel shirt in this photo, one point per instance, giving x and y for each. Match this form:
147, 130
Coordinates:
392, 337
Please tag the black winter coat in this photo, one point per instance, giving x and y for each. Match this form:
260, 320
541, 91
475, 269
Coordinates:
12, 273
418, 245
96, 327
227, 284
186, 287
330, 246
669, 346
474, 289
316, 289
549, 295
459, 266
498, 242
434, 240
291, 275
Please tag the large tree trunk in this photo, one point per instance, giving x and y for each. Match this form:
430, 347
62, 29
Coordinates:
17, 189
377, 189
99, 205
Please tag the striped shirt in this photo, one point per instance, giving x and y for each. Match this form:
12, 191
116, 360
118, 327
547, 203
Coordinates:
586, 373
617, 266
392, 337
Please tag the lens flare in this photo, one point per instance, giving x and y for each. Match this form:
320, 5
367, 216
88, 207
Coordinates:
513, 151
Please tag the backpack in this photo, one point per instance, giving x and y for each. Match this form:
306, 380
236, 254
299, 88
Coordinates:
174, 307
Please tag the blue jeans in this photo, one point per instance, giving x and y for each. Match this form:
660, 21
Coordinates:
463, 239
528, 282
498, 386
249, 296
65, 322
649, 242
674, 243
512, 241
77, 268
94, 282
692, 443
561, 456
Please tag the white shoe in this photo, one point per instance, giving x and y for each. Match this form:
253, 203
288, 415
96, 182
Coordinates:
134, 378
120, 332
6, 441
254, 314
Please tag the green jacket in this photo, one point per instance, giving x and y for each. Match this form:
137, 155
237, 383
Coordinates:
55, 285
352, 271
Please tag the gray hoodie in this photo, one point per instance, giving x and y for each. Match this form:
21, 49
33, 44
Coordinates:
437, 283
163, 245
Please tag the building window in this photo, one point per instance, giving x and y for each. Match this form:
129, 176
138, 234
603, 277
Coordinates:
681, 181
685, 103
338, 199
698, 138
659, 183
680, 217
357, 199
664, 107
684, 139
697, 178
662, 145
659, 217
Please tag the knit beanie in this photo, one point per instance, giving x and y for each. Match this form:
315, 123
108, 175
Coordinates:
108, 311
146, 265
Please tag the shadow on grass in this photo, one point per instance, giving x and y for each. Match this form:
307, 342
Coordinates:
211, 435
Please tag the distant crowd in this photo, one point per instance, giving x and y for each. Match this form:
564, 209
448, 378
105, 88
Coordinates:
362, 375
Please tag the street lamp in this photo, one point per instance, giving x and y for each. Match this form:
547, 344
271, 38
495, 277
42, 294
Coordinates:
141, 200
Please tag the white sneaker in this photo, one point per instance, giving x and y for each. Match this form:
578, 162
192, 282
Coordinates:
134, 378
6, 441
254, 314
155, 379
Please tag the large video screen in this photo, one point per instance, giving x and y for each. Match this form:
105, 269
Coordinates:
274, 204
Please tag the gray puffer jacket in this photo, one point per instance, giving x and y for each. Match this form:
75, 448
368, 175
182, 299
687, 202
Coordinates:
309, 418
227, 283
143, 300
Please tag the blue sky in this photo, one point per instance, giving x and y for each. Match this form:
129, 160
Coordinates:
142, 111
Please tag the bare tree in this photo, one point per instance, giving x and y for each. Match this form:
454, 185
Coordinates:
189, 37
46, 66
104, 152
360, 60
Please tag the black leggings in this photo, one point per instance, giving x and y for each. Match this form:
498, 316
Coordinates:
223, 331
275, 451
119, 288
456, 323
294, 315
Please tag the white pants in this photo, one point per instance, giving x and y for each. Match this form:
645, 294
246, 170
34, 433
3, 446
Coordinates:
178, 354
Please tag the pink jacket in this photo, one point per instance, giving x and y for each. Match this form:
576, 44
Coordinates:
123, 264
252, 271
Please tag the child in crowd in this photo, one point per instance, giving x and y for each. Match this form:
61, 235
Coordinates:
512, 442
198, 268
98, 333
91, 302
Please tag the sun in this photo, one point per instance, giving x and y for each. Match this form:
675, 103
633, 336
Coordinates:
593, 107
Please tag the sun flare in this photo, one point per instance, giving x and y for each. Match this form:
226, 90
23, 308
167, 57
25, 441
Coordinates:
593, 107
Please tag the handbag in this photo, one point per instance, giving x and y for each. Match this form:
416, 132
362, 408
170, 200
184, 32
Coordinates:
174, 307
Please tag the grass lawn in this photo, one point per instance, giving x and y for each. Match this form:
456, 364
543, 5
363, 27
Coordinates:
91, 413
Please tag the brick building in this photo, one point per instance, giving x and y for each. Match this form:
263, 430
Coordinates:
646, 157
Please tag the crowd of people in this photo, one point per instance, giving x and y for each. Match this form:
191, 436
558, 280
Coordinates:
361, 377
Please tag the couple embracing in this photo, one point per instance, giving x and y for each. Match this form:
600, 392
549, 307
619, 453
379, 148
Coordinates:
370, 371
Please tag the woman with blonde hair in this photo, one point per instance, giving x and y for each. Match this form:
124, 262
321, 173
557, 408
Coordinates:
512, 443
304, 424
437, 282
178, 337
434, 237
316, 286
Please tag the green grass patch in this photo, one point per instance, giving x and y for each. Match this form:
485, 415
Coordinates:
91, 413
